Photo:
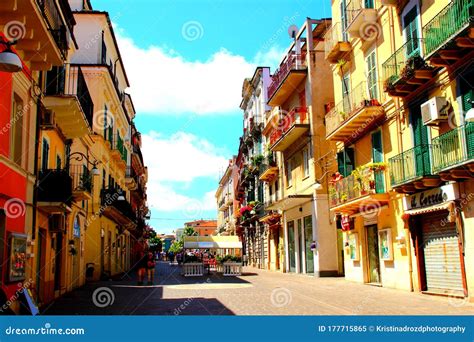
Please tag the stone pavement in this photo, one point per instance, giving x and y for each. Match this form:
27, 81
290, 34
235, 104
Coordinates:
256, 292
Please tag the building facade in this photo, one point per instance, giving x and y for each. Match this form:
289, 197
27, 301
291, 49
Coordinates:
225, 202
401, 125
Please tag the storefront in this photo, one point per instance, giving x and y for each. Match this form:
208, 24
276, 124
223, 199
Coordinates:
436, 229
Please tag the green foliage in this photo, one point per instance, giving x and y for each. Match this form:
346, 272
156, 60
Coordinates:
227, 258
176, 247
189, 231
155, 243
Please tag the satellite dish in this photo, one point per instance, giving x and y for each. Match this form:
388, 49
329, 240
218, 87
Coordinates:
292, 30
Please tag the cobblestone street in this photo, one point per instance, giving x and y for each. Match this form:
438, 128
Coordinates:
256, 292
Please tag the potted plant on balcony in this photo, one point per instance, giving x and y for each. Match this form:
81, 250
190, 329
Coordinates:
343, 115
389, 85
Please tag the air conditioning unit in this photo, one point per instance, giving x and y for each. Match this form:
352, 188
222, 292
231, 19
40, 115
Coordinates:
57, 223
434, 110
47, 120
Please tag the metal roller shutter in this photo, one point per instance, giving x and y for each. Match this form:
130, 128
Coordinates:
442, 258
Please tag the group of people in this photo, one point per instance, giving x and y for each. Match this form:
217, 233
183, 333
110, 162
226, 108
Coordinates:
146, 266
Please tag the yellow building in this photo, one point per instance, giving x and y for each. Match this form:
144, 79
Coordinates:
295, 133
225, 202
403, 153
111, 217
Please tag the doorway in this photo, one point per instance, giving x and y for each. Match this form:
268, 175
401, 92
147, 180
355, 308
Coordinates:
291, 245
373, 261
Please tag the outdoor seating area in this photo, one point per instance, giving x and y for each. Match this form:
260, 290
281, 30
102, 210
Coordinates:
212, 254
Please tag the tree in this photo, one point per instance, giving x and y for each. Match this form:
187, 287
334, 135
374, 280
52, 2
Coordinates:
189, 231
177, 246
156, 245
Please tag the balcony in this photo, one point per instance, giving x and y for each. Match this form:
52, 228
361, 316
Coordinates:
269, 169
81, 182
453, 153
54, 191
292, 126
356, 113
405, 71
336, 46
68, 97
45, 39
411, 170
119, 152
287, 78
363, 190
359, 17
449, 32
131, 178
116, 208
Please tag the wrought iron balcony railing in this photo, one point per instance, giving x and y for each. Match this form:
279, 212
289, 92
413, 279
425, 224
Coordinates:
361, 96
81, 178
293, 62
360, 183
453, 148
449, 22
298, 115
112, 197
397, 62
69, 80
410, 165
55, 23
54, 185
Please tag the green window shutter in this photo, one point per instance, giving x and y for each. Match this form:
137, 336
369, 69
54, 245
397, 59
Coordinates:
369, 3
467, 98
340, 163
45, 154
377, 157
349, 161
410, 24
377, 153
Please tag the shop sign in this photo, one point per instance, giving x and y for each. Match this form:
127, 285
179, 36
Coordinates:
431, 197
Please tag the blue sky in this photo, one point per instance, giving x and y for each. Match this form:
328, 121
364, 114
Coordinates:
186, 61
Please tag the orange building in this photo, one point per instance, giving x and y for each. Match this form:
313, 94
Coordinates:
203, 227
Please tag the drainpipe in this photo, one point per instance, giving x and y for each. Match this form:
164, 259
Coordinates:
35, 168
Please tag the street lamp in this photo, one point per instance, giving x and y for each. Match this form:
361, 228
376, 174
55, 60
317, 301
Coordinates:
9, 60
79, 156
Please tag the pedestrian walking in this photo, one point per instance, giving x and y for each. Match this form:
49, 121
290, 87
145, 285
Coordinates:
142, 266
150, 267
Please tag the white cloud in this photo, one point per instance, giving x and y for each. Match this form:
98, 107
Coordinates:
163, 82
179, 160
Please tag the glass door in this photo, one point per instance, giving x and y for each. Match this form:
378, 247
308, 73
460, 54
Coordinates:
308, 235
291, 245
373, 254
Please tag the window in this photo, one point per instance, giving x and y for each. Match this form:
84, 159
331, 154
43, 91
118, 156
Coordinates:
372, 75
16, 130
58, 162
411, 32
346, 89
306, 162
345, 161
45, 155
288, 172
344, 20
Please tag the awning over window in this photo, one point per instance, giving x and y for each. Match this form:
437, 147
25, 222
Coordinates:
438, 207
212, 242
